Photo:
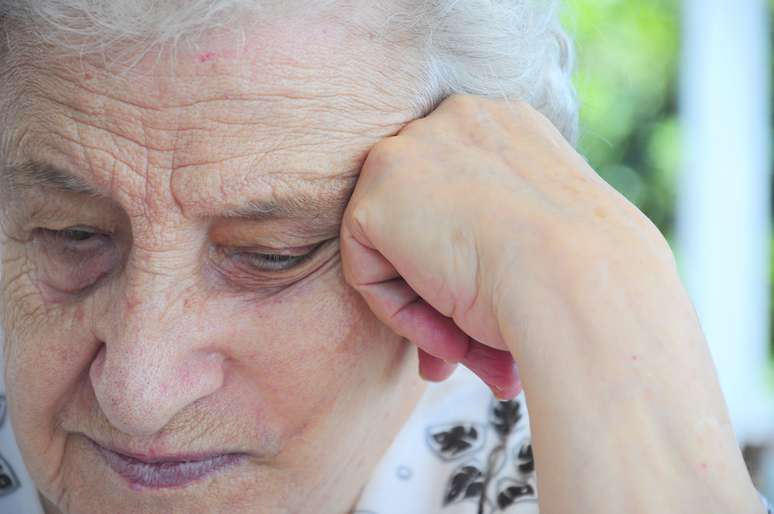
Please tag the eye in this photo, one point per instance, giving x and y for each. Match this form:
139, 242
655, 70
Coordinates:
272, 262
73, 239
75, 235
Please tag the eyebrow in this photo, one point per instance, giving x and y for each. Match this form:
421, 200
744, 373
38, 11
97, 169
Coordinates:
33, 174
322, 208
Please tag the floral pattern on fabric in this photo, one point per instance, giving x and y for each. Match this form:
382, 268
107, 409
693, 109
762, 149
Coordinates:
454, 441
483, 477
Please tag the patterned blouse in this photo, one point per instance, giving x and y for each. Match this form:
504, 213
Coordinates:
460, 452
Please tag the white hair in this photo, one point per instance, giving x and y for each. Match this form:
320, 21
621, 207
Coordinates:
513, 49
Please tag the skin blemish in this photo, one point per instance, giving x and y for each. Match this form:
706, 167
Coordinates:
600, 213
132, 302
634, 358
207, 56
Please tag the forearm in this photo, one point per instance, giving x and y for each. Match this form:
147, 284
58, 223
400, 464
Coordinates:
626, 411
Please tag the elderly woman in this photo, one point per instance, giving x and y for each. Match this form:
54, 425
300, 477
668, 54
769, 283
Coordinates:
233, 229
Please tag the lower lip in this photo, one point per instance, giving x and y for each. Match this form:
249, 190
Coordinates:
164, 475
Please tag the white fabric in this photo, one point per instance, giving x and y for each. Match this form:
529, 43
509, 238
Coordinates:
437, 464
439, 459
17, 495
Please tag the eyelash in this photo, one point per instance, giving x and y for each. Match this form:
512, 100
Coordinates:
70, 237
271, 262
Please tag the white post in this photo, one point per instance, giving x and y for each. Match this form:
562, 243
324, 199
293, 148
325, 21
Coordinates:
723, 208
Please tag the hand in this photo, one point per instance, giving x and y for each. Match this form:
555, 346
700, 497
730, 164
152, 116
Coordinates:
480, 205
480, 235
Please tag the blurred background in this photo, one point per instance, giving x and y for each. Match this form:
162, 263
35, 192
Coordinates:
676, 114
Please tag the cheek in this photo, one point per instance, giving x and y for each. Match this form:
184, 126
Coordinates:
317, 349
46, 351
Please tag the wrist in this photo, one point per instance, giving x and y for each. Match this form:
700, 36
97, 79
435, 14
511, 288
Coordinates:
623, 396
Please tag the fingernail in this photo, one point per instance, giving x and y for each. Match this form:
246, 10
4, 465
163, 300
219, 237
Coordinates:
506, 393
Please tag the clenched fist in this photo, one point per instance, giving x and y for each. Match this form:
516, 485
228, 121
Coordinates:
480, 206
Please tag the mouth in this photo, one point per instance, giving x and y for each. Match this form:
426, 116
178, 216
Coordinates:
166, 472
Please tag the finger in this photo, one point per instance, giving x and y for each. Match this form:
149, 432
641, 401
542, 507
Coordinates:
495, 368
439, 337
432, 368
397, 305
362, 264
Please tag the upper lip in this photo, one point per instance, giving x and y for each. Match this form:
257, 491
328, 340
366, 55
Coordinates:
156, 458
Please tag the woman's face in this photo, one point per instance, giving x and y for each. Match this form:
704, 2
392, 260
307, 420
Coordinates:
171, 287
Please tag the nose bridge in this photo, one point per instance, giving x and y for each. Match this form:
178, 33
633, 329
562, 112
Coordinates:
154, 360
154, 283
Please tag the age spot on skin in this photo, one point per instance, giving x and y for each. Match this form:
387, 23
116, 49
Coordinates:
207, 56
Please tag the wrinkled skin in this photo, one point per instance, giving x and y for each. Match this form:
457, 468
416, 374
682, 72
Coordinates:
160, 332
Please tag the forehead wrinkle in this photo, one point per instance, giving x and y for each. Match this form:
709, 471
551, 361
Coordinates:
204, 113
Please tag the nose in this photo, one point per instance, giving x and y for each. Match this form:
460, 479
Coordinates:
157, 357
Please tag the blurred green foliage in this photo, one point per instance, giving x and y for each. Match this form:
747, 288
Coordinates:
626, 79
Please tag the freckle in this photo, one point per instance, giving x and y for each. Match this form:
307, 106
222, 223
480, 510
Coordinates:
600, 213
132, 302
207, 56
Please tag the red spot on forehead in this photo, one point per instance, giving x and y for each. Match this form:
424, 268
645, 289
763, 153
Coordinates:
207, 56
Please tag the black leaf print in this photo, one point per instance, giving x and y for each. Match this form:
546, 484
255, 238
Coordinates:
453, 441
8, 481
504, 416
525, 459
513, 493
466, 482
456, 440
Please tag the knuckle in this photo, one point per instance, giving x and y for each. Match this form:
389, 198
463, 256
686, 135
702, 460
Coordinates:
383, 153
464, 103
